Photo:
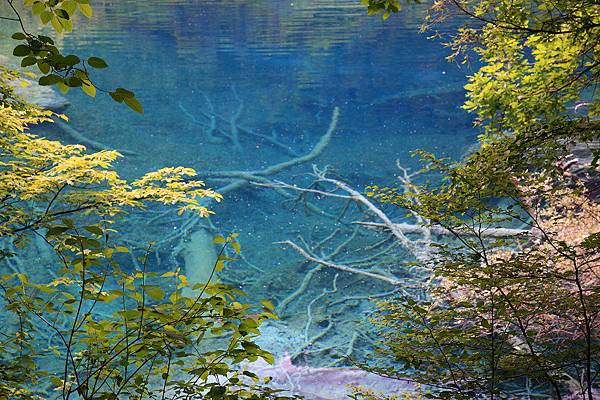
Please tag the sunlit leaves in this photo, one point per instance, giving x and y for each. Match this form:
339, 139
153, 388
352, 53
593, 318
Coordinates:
509, 307
89, 88
152, 326
154, 292
86, 9
385, 7
35, 169
116, 330
228, 240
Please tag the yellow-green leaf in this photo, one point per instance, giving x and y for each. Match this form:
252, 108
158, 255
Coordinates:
268, 305
219, 239
62, 87
86, 10
155, 292
134, 104
56, 24
88, 88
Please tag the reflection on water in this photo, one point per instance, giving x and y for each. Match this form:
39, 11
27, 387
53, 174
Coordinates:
273, 71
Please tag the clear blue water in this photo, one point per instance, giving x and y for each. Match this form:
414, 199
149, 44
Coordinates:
290, 63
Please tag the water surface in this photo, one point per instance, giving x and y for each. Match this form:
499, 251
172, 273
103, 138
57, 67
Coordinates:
275, 68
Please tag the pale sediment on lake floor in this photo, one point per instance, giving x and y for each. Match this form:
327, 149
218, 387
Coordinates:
42, 96
325, 383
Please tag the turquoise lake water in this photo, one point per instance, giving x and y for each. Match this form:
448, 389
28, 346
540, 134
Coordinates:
277, 69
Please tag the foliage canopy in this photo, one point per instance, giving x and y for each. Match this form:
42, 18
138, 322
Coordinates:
506, 318
65, 71
98, 324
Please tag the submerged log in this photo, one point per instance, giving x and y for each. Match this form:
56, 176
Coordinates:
41, 96
82, 139
199, 257
199, 254
450, 88
438, 230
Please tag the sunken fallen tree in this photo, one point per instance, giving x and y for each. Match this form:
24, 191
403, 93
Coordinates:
522, 300
363, 248
193, 240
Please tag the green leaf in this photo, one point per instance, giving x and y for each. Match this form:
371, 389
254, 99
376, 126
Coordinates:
46, 39
56, 381
56, 24
21, 50
252, 375
44, 67
62, 87
71, 60
108, 252
68, 222
268, 357
591, 242
56, 230
62, 13
267, 304
39, 7
219, 239
96, 230
67, 24
116, 97
97, 62
23, 278
28, 61
48, 80
69, 6
124, 92
45, 17
236, 247
19, 36
134, 104
130, 314
74, 81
